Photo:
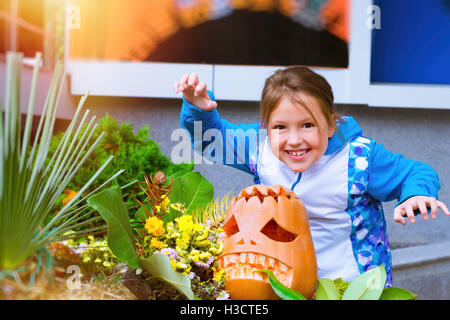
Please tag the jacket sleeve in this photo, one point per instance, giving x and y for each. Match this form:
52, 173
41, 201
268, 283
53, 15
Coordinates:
391, 176
219, 141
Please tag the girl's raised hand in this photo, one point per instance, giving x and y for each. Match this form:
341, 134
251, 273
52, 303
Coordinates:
194, 92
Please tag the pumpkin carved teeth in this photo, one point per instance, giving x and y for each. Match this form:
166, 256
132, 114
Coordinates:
262, 191
247, 265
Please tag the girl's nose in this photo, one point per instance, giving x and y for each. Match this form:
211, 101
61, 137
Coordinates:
295, 138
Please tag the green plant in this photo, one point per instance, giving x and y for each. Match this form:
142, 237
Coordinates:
29, 187
136, 153
367, 286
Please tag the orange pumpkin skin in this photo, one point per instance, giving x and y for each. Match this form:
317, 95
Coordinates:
267, 228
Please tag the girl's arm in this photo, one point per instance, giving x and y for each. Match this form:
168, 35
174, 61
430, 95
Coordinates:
413, 183
392, 176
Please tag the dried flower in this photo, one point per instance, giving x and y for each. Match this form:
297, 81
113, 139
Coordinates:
159, 179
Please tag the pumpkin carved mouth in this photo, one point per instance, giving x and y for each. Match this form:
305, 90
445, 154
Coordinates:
247, 265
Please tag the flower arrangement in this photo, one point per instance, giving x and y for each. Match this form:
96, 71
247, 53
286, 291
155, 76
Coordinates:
192, 247
174, 239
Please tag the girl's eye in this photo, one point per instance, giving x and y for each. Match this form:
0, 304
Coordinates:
308, 125
279, 127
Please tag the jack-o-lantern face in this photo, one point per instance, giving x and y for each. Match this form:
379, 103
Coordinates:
267, 228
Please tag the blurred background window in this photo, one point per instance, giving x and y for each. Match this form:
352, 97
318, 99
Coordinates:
30, 26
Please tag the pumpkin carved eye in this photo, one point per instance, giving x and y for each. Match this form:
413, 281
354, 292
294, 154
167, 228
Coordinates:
231, 227
274, 231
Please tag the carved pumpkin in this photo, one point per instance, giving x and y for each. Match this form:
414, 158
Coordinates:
267, 228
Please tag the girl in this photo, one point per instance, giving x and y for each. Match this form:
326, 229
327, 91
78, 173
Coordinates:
341, 176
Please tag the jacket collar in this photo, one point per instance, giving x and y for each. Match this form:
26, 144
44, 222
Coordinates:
346, 129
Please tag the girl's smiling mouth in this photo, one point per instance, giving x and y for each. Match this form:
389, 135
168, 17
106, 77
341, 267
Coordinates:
297, 154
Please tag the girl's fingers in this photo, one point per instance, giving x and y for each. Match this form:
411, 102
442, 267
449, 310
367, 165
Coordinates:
200, 90
410, 214
212, 104
193, 80
423, 209
443, 207
433, 207
183, 82
398, 215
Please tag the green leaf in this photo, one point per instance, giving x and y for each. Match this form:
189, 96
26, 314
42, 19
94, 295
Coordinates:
177, 174
158, 265
393, 293
327, 290
281, 290
341, 285
193, 190
367, 286
111, 207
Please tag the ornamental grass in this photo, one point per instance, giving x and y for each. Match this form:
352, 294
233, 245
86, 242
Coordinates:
29, 187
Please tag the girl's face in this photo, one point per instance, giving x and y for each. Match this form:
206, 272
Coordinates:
295, 137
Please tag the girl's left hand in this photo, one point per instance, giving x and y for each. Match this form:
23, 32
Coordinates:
421, 203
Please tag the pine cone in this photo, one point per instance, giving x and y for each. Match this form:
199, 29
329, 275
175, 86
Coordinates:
159, 179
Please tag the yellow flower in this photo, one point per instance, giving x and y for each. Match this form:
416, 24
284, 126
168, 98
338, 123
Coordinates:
216, 251
177, 206
165, 203
185, 223
183, 241
70, 194
155, 243
106, 264
194, 252
203, 235
198, 227
98, 260
202, 243
154, 226
174, 235
218, 276
204, 255
194, 255
184, 268
170, 227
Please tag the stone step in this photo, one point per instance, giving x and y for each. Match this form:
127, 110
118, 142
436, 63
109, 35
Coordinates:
423, 270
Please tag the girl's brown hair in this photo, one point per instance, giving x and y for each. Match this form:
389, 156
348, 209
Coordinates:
293, 80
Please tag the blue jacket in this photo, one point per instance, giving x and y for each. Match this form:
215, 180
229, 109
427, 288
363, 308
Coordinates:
342, 191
